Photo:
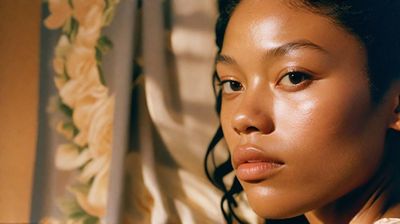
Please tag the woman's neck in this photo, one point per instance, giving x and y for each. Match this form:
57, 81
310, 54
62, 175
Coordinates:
364, 205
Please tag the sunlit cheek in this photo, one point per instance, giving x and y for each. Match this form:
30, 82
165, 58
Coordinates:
307, 106
295, 114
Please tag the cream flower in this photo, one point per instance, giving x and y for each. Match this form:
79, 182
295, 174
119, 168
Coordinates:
58, 65
100, 138
63, 47
82, 118
85, 89
75, 221
89, 30
50, 220
94, 167
100, 131
60, 12
83, 7
91, 207
68, 157
95, 201
98, 192
83, 202
80, 61
60, 81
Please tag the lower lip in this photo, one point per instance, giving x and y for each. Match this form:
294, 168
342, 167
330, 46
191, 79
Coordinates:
257, 171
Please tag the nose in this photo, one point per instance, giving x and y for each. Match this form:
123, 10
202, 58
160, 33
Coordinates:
253, 115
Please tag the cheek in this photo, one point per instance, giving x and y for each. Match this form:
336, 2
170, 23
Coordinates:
328, 114
333, 143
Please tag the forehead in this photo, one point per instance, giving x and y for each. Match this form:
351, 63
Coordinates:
265, 24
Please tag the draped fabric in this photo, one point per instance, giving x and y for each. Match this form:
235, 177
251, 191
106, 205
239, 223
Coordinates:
174, 115
159, 69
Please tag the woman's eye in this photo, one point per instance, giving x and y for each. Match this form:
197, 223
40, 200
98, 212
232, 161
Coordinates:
294, 78
231, 86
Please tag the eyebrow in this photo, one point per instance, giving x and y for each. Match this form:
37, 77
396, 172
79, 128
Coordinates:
276, 51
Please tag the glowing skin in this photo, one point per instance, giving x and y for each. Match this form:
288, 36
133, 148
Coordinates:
296, 106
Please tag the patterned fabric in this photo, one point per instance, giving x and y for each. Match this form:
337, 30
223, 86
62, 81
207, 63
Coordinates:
388, 221
163, 54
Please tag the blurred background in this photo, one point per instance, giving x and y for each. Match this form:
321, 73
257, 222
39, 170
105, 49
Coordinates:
159, 70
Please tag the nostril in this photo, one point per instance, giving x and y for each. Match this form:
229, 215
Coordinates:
247, 130
251, 129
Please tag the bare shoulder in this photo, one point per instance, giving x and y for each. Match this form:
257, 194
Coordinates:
392, 216
388, 221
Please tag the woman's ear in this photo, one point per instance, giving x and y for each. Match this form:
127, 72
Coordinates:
395, 124
394, 96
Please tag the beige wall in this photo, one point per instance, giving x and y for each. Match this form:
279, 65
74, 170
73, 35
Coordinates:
19, 64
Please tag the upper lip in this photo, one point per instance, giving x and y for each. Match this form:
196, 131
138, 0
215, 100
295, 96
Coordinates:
251, 153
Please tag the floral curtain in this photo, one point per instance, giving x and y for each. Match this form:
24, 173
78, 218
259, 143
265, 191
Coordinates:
126, 112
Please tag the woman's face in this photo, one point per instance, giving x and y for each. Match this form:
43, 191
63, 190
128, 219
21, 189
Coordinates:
296, 108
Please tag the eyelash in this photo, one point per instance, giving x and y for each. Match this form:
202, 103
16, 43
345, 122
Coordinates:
222, 84
305, 79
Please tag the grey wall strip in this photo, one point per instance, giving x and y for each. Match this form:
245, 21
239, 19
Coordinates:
119, 64
46, 136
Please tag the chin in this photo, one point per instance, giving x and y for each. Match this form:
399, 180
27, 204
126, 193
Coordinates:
271, 212
272, 205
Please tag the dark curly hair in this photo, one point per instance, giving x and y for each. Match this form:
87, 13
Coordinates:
374, 23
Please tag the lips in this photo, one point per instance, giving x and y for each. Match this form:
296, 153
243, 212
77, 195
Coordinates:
253, 164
